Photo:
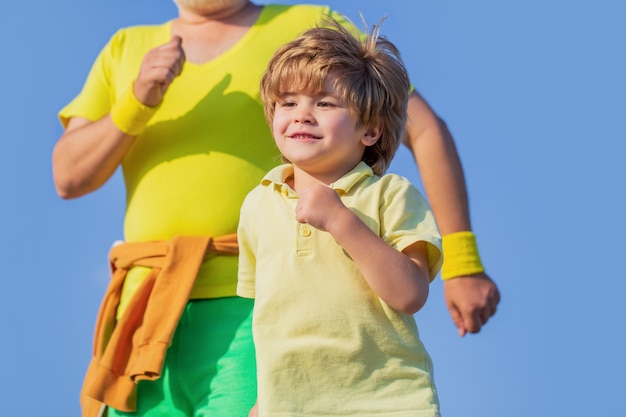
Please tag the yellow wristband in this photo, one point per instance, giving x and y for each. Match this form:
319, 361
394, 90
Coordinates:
460, 255
130, 115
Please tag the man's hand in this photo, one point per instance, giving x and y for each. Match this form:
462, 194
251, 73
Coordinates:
159, 68
472, 300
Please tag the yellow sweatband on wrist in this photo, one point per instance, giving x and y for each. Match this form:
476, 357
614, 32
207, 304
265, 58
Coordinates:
130, 115
460, 255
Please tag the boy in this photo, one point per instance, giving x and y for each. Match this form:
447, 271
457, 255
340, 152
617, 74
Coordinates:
337, 255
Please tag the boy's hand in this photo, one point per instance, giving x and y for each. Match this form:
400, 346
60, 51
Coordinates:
318, 206
159, 68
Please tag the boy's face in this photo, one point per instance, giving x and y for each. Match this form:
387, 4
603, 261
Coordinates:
318, 134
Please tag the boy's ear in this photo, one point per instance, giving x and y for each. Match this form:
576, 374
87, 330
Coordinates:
371, 135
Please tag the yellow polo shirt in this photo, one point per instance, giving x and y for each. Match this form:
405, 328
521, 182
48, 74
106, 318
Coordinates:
326, 344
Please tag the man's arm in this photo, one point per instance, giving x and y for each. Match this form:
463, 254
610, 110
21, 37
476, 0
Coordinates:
88, 153
471, 299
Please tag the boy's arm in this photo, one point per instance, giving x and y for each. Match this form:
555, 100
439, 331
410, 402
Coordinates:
254, 411
471, 299
400, 279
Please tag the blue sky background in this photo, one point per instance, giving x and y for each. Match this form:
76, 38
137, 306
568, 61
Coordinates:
534, 93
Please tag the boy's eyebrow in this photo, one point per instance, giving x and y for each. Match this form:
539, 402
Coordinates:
318, 93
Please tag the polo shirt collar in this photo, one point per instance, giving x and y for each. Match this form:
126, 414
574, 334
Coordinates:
358, 173
279, 174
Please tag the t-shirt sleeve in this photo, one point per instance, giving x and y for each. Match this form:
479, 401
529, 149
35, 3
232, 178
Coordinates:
406, 219
96, 97
246, 236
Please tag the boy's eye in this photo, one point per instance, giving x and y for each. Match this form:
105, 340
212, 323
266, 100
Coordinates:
324, 104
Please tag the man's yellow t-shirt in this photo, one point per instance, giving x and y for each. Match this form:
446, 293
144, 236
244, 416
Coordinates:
207, 145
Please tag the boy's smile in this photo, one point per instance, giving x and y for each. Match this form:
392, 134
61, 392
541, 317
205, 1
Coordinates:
318, 133
304, 136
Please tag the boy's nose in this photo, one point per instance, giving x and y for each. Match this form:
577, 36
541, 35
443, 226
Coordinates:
304, 116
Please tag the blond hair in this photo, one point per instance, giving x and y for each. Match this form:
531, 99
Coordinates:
368, 74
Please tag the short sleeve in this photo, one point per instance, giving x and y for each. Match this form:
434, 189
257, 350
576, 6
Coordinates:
406, 218
247, 239
97, 95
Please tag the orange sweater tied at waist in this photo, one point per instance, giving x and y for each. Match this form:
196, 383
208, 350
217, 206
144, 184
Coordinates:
133, 348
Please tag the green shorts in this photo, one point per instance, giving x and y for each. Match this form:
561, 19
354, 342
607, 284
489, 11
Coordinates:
209, 369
